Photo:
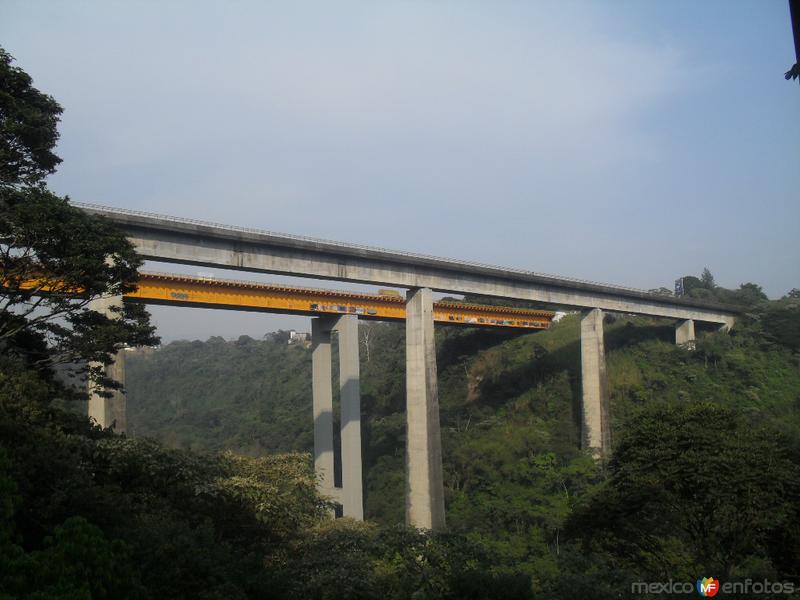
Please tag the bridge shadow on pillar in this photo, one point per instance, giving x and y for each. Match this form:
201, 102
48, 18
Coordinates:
350, 493
544, 364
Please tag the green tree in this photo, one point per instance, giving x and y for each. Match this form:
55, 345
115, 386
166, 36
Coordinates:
708, 279
781, 321
750, 294
690, 283
55, 259
28, 120
699, 287
696, 488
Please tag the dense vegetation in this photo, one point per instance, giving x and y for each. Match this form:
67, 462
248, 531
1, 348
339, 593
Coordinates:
704, 478
517, 485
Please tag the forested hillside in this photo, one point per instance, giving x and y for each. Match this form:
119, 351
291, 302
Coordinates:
514, 471
704, 479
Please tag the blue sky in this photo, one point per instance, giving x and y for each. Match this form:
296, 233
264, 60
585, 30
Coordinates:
626, 142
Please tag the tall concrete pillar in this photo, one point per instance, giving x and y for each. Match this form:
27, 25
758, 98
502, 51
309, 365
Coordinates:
111, 411
424, 483
595, 421
350, 495
322, 393
350, 397
684, 334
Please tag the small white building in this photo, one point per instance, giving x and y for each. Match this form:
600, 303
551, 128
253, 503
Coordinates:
296, 337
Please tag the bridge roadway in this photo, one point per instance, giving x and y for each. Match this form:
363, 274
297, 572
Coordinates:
191, 242
186, 241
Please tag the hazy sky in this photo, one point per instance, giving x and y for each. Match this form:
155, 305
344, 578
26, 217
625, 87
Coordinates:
627, 142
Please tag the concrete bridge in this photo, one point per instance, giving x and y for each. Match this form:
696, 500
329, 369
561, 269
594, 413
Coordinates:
186, 241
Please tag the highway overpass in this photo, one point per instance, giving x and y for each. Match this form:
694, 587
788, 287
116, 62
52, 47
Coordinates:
188, 241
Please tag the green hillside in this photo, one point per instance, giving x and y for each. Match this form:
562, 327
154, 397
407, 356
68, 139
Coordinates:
212, 494
704, 478
509, 404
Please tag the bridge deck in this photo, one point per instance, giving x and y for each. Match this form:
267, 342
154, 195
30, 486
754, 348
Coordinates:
187, 241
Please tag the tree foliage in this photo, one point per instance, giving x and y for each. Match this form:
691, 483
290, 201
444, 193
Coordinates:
696, 488
781, 321
514, 473
55, 260
28, 128
89, 513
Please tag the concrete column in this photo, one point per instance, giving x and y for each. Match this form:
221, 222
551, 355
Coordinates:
322, 393
596, 426
728, 325
351, 494
424, 483
350, 397
684, 334
111, 411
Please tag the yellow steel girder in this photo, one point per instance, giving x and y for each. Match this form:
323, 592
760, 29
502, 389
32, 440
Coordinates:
180, 290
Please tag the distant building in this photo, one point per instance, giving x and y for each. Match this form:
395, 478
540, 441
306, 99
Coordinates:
296, 337
680, 290
141, 350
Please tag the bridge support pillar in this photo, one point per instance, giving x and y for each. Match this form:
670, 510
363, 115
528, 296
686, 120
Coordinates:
322, 392
424, 482
111, 411
684, 334
351, 493
350, 395
595, 419
728, 325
